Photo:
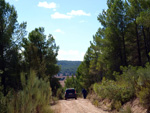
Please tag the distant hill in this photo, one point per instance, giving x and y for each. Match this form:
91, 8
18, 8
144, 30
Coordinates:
68, 67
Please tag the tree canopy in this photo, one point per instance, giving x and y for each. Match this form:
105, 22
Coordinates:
123, 40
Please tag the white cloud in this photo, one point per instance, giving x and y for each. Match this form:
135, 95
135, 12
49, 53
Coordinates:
51, 5
72, 55
57, 15
70, 15
78, 13
59, 31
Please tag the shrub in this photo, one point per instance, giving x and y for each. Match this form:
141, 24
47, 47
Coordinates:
118, 93
143, 86
144, 96
116, 105
129, 77
134, 81
113, 91
2, 103
60, 93
33, 98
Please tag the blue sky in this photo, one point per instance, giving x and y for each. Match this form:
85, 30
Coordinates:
72, 22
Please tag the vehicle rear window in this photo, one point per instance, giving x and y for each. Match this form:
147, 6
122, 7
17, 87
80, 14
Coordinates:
70, 91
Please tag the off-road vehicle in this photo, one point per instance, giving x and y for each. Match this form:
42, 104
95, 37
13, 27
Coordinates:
70, 93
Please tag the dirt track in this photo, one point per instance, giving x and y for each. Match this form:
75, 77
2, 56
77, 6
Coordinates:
76, 106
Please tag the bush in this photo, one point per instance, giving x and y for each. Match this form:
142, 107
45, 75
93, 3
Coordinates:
143, 86
129, 77
60, 93
116, 105
134, 81
34, 97
118, 93
113, 91
144, 96
2, 103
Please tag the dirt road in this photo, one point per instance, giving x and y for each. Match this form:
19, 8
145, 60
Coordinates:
76, 106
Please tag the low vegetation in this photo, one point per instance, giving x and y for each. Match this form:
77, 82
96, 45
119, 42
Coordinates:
127, 110
34, 97
132, 83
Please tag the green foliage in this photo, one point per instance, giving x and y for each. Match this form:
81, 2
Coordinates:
143, 87
3, 107
40, 54
144, 95
134, 81
72, 82
29, 92
119, 92
55, 85
60, 93
34, 97
139, 79
10, 39
129, 76
116, 105
123, 40
121, 43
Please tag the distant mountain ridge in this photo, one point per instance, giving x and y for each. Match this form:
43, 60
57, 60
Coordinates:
68, 68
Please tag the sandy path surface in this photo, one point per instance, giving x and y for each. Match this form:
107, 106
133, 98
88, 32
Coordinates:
76, 106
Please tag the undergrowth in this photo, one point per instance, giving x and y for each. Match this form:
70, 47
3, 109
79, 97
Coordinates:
133, 82
34, 97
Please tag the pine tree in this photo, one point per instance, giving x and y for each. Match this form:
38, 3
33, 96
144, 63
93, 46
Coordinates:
11, 34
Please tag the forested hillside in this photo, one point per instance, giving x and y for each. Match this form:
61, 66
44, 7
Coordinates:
68, 67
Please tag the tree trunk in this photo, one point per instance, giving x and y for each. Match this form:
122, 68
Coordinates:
2, 62
124, 50
2, 68
145, 43
138, 45
148, 39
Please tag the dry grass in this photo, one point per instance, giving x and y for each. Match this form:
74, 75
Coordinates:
104, 104
135, 106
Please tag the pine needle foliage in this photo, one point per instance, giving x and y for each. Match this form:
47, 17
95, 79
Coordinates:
34, 97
